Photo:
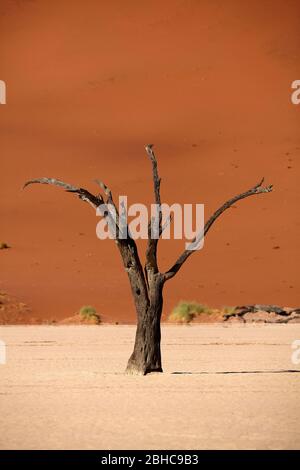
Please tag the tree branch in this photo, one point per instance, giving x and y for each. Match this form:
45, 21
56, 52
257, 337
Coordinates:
108, 193
155, 226
127, 247
121, 232
83, 194
166, 224
257, 189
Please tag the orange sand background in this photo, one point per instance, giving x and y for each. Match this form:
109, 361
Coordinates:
88, 84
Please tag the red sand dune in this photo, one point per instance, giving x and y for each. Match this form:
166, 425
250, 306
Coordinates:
208, 83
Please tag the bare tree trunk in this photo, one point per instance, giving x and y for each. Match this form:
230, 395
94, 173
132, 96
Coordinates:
146, 356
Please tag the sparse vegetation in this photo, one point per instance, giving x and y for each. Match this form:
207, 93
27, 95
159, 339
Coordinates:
4, 246
229, 311
185, 311
88, 312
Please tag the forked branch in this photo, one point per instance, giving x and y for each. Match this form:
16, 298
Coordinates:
84, 195
108, 193
94, 201
126, 246
257, 189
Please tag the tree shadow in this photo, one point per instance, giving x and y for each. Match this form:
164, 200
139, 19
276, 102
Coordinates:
280, 371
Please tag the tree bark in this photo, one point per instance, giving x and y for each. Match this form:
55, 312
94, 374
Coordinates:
146, 356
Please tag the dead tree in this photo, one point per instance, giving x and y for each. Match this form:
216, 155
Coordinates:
146, 282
